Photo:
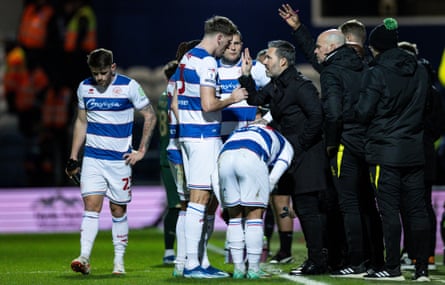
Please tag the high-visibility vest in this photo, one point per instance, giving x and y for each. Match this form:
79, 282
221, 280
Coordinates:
441, 73
56, 108
15, 71
33, 28
35, 82
88, 43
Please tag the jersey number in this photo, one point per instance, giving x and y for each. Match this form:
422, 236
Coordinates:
181, 78
127, 183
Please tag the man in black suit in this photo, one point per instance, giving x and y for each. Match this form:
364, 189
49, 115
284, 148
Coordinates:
297, 112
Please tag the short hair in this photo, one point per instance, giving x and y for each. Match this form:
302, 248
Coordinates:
170, 68
100, 58
284, 49
184, 47
354, 27
220, 24
239, 34
411, 47
261, 53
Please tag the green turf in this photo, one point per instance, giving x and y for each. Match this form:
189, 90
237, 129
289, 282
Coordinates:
45, 259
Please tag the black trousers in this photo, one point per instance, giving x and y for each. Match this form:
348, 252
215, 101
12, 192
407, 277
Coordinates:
398, 187
307, 208
362, 224
346, 174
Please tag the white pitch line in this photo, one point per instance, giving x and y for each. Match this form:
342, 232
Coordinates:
302, 280
216, 249
298, 279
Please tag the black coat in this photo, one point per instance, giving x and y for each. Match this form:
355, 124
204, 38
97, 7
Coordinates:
297, 112
340, 89
306, 44
392, 103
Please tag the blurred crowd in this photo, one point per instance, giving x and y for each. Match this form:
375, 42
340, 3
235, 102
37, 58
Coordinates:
41, 69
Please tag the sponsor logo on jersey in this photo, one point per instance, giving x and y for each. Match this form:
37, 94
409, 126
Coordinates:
101, 105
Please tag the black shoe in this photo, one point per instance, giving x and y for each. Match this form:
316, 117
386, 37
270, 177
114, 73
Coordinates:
351, 272
297, 270
309, 268
386, 274
282, 258
421, 276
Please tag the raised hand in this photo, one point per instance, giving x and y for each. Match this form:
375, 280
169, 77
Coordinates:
290, 16
246, 62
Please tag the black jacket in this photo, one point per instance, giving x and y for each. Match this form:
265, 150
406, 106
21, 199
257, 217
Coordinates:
298, 115
340, 88
306, 43
392, 103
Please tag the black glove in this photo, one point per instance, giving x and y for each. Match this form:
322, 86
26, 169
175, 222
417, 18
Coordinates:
72, 165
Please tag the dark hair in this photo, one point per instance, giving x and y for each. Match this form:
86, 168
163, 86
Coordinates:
284, 50
100, 58
184, 47
355, 28
170, 68
220, 24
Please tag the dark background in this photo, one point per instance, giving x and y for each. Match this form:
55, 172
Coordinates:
142, 32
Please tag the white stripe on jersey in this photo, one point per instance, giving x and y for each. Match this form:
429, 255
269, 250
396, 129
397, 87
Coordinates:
110, 115
238, 114
267, 143
197, 68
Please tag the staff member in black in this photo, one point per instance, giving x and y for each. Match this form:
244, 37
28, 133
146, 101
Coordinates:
344, 137
354, 32
297, 112
392, 103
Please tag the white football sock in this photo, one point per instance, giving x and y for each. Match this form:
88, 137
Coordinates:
194, 220
235, 237
88, 232
119, 231
180, 238
254, 242
209, 226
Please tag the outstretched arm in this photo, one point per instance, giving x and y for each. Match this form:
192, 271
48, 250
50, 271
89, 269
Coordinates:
302, 36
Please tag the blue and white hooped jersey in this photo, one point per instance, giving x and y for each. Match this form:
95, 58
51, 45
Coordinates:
270, 146
197, 68
264, 141
110, 115
173, 151
238, 114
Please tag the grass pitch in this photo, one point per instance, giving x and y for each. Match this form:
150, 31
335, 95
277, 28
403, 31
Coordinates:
45, 259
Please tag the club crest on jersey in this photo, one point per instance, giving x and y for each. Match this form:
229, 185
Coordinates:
211, 75
91, 91
117, 90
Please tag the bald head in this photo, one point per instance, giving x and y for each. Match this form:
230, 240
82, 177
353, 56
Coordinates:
328, 41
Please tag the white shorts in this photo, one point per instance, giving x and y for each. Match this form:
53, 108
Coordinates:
243, 179
199, 162
111, 178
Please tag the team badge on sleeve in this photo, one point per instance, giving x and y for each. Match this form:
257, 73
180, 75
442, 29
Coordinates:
141, 91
